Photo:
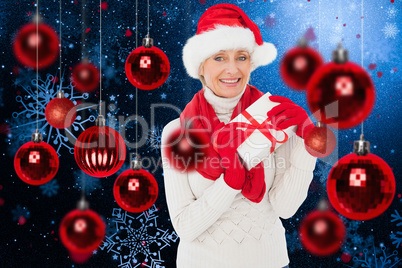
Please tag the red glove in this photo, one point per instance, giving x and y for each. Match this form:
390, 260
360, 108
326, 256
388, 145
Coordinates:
287, 114
254, 187
226, 142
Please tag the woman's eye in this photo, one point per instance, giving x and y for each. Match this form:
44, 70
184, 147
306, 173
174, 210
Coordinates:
218, 58
243, 58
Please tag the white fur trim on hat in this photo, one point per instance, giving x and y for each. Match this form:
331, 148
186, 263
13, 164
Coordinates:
202, 46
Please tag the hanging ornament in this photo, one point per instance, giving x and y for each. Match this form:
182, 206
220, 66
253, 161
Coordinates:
60, 112
100, 151
147, 67
28, 42
361, 185
342, 91
322, 233
320, 141
135, 190
36, 162
185, 148
82, 231
85, 77
299, 64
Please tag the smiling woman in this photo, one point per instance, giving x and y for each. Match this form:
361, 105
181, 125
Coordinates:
224, 214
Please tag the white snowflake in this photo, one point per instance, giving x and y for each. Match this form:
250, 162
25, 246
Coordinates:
138, 241
392, 12
155, 138
390, 30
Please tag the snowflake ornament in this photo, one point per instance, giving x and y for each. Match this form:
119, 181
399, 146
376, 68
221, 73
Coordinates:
138, 241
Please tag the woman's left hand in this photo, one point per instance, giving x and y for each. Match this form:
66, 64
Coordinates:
287, 114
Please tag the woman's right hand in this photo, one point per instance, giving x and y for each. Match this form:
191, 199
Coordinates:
226, 141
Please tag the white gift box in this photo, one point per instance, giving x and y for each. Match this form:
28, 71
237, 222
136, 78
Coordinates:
263, 137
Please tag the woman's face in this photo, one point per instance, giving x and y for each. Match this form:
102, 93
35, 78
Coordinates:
227, 72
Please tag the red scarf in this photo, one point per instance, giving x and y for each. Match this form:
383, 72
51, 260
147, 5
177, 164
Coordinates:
203, 117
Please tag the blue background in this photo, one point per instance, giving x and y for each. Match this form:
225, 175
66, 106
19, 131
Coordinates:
151, 239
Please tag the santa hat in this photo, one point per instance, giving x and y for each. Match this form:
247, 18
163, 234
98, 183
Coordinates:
226, 27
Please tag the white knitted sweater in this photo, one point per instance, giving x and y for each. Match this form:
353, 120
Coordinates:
218, 227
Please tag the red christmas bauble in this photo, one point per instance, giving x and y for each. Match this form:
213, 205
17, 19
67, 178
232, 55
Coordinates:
28, 41
60, 113
85, 77
320, 141
80, 258
82, 231
342, 93
298, 65
36, 163
361, 187
322, 233
147, 68
135, 190
185, 148
100, 151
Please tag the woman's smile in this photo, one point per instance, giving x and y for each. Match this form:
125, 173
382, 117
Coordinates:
230, 82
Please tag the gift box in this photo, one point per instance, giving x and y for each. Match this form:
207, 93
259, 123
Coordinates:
262, 137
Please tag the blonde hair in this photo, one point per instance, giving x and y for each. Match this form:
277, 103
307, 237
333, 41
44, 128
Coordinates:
201, 77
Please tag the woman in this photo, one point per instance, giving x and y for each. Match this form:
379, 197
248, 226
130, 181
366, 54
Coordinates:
226, 215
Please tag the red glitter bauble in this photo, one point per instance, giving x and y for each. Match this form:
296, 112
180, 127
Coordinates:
135, 190
361, 187
85, 77
322, 233
60, 113
185, 148
320, 141
100, 151
298, 65
27, 42
36, 163
147, 68
82, 231
342, 93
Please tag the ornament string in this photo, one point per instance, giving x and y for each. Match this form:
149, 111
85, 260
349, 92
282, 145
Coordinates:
83, 46
60, 61
136, 89
362, 22
37, 65
148, 17
100, 57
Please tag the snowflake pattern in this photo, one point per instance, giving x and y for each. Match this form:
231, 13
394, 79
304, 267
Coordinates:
392, 11
138, 241
155, 138
84, 181
50, 189
19, 212
371, 260
24, 122
390, 30
397, 238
